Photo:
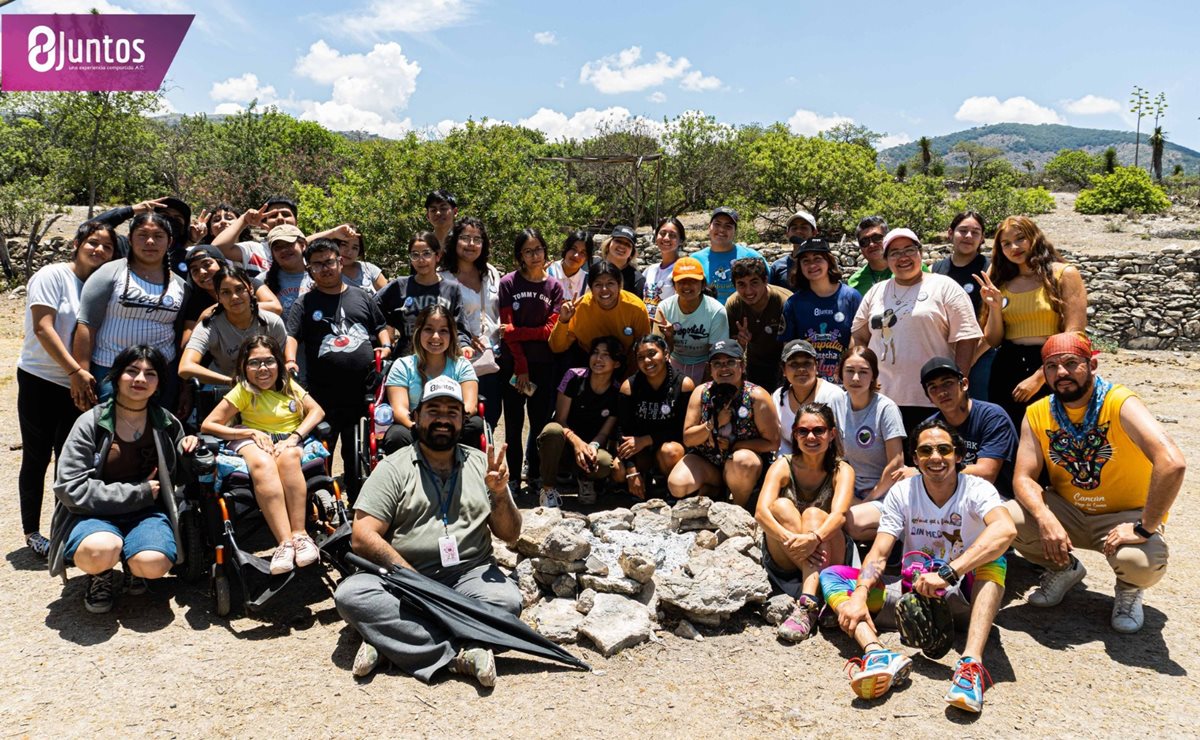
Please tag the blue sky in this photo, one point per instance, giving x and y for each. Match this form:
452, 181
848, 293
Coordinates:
389, 66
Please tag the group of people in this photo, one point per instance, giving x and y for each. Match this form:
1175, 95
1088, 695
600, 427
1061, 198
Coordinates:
908, 406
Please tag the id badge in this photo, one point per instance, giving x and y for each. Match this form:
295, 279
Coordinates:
448, 548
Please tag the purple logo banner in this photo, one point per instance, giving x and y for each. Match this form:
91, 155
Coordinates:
88, 52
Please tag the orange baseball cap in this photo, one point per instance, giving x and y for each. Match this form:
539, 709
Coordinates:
687, 268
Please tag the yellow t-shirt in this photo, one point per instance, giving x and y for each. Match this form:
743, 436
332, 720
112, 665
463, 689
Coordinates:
1101, 474
627, 321
269, 411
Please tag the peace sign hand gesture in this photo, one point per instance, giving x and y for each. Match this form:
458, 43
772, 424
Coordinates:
743, 332
497, 470
988, 290
665, 328
567, 311
199, 226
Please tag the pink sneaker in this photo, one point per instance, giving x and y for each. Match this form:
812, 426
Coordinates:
306, 550
284, 558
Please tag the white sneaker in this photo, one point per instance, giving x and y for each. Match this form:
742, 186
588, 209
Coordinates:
284, 558
550, 498
1056, 583
1127, 616
587, 491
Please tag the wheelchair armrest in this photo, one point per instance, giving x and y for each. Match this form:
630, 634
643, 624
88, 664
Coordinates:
210, 442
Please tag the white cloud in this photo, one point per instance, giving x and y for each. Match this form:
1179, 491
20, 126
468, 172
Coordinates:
1092, 105
622, 73
344, 117
584, 124
442, 129
410, 16
242, 90
229, 109
545, 38
808, 123
657, 97
1017, 109
891, 140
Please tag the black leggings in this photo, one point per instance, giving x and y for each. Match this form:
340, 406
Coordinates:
541, 408
45, 413
1014, 363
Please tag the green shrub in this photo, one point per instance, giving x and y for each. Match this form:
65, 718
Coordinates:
1127, 188
1072, 168
999, 200
919, 204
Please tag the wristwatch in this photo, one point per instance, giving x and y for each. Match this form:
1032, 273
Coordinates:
1141, 531
947, 574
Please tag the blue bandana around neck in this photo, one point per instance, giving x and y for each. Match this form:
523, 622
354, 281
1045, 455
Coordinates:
1100, 389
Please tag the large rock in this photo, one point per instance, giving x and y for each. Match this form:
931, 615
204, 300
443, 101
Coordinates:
615, 623
612, 584
713, 585
650, 521
505, 556
613, 519
743, 545
777, 608
564, 543
706, 540
557, 567
557, 620
586, 600
530, 591
637, 565
690, 509
565, 586
535, 527
731, 520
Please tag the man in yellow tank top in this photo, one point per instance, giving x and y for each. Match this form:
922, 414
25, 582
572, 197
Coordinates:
1114, 474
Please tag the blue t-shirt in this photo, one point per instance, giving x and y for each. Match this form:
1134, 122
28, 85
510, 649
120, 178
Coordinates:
717, 268
404, 372
778, 274
824, 323
988, 432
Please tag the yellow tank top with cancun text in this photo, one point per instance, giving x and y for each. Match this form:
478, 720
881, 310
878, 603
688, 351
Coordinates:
1030, 313
1102, 473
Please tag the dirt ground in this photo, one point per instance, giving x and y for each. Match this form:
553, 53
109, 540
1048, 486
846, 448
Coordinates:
164, 665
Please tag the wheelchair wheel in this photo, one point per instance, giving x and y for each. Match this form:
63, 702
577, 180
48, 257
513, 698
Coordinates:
222, 595
195, 564
326, 504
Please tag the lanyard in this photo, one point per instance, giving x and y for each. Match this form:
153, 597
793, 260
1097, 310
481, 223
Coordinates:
445, 491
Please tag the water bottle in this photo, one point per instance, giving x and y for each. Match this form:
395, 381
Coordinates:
383, 419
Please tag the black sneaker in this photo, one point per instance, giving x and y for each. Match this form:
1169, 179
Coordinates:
98, 599
135, 585
39, 544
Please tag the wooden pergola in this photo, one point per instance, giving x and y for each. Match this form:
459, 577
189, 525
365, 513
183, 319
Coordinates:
634, 161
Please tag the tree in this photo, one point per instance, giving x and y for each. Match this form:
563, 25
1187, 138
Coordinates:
852, 133
1110, 160
901, 172
1157, 140
977, 156
926, 150
704, 165
1071, 168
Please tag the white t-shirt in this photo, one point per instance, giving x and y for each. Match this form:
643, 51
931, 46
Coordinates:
57, 287
827, 393
909, 326
942, 532
573, 286
698, 331
659, 286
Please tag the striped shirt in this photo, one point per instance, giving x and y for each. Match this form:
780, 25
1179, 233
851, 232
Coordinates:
124, 310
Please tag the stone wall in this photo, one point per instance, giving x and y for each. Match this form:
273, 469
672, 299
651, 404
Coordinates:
1138, 300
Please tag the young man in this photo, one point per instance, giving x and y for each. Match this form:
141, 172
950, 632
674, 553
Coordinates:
337, 324
253, 255
717, 258
800, 226
1114, 474
869, 235
441, 209
961, 524
755, 314
397, 524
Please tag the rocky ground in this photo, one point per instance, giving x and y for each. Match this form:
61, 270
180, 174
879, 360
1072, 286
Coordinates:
164, 665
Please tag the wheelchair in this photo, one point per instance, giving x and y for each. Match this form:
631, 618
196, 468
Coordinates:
220, 510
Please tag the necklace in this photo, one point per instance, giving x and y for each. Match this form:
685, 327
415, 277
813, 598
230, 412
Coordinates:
1100, 389
807, 398
130, 408
135, 430
901, 301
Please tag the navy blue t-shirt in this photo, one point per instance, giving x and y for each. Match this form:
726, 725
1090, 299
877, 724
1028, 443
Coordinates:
989, 433
824, 323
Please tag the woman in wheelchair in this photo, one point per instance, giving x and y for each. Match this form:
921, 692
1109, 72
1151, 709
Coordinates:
435, 342
276, 416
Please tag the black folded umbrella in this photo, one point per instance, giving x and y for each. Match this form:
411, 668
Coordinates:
468, 619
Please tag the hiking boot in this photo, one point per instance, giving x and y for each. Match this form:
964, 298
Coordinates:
587, 492
366, 660
284, 558
39, 544
1127, 616
1056, 583
966, 688
98, 598
877, 671
306, 550
550, 498
802, 622
479, 663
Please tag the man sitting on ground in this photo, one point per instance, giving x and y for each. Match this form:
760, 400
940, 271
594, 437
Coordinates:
1114, 474
432, 507
960, 523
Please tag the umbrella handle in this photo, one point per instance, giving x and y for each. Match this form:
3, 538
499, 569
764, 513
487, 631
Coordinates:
365, 565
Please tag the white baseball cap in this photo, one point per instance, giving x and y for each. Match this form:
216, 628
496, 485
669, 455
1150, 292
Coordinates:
442, 387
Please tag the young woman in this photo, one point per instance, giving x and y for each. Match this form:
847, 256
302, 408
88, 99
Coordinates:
276, 417
870, 423
571, 269
465, 259
116, 484
731, 432
802, 386
352, 246
1029, 294
651, 409
821, 307
126, 302
210, 224
583, 424
404, 298
801, 508
46, 372
202, 264
668, 237
965, 261
288, 276
436, 353
529, 302
691, 321
236, 317
620, 249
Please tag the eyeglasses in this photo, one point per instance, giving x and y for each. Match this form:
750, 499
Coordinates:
423, 255
328, 264
471, 240
265, 363
803, 432
943, 450
724, 364
896, 254
872, 239
533, 251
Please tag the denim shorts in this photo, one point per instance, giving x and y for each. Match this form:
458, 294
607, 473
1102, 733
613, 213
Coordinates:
141, 531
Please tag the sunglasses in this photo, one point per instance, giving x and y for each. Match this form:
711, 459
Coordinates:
873, 239
803, 432
943, 450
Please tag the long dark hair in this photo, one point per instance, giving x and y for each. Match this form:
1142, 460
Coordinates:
86, 229
800, 283
423, 318
614, 347
519, 244
579, 235
228, 271
154, 219
130, 355
450, 253
833, 453
254, 342
658, 341
244, 236
678, 227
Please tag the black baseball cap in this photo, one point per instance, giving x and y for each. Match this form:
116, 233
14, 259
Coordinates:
724, 211
727, 347
939, 366
201, 251
798, 347
812, 244
441, 195
625, 232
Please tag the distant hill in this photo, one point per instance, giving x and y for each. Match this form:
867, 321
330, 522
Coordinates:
1023, 141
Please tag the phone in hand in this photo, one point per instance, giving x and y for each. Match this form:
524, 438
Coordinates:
530, 389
